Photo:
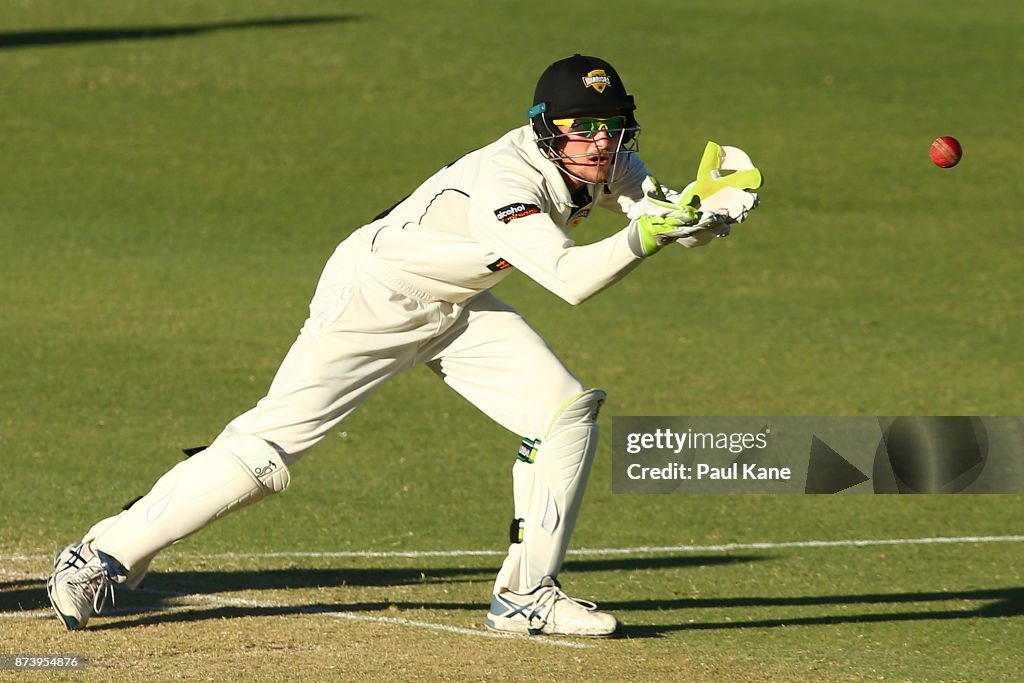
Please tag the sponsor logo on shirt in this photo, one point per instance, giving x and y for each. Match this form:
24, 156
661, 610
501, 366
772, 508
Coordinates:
500, 264
597, 79
511, 212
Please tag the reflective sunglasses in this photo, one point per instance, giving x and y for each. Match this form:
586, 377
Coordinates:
587, 127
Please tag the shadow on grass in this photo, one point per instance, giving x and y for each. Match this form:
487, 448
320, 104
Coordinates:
1000, 602
22, 39
163, 592
30, 594
1006, 602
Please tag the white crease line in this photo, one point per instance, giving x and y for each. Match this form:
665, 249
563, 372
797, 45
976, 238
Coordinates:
353, 616
727, 547
640, 550
24, 558
588, 551
299, 609
15, 574
541, 640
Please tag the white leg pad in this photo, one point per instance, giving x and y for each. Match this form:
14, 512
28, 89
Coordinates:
548, 494
234, 472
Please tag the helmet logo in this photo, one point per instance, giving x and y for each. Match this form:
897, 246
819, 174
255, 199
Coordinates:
597, 79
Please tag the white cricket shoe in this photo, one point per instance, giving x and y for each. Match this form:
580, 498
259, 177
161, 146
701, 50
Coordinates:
81, 583
546, 610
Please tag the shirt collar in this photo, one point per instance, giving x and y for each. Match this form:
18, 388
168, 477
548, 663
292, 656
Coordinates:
549, 169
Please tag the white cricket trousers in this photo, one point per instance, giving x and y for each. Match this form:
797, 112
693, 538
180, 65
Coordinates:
366, 325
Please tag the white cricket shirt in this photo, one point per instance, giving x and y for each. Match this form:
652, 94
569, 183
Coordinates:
501, 208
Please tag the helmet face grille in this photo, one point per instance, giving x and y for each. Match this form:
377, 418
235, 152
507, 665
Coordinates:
552, 141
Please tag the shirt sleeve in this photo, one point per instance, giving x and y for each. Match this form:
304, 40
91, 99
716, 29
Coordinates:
511, 213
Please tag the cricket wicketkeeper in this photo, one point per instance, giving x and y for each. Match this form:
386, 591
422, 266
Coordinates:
411, 287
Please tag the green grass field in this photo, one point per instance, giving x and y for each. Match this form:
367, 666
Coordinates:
176, 174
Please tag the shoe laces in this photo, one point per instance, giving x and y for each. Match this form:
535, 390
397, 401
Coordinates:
92, 581
545, 603
72, 558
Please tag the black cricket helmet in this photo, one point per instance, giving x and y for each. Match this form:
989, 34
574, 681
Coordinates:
576, 85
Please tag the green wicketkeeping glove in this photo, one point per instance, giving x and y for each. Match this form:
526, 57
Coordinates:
721, 195
660, 200
720, 168
657, 231
660, 219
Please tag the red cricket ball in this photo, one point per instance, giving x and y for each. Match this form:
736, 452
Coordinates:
946, 151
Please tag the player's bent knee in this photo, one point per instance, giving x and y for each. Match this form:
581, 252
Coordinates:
568, 445
581, 408
259, 458
577, 417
